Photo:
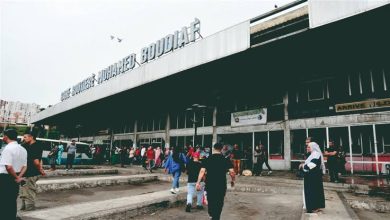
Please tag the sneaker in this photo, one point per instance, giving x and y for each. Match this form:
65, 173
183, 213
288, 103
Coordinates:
188, 208
269, 172
177, 190
173, 191
199, 207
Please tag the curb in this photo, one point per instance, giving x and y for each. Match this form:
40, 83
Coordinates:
91, 182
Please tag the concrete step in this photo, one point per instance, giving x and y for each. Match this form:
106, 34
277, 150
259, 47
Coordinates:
119, 208
46, 167
272, 181
279, 189
50, 185
81, 172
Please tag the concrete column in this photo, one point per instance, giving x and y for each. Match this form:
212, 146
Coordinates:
215, 137
287, 139
350, 148
167, 128
135, 133
376, 149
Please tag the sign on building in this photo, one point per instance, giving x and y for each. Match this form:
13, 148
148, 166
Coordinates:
171, 42
251, 117
363, 105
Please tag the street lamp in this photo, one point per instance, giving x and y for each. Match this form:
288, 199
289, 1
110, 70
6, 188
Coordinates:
195, 108
78, 128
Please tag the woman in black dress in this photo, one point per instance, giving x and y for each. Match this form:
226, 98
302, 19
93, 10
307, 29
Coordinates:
313, 168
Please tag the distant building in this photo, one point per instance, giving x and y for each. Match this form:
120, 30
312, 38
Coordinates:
17, 112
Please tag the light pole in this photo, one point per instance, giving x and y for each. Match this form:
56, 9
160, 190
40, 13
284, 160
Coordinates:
195, 108
78, 127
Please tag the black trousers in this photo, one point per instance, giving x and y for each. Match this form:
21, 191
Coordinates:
9, 191
261, 165
333, 171
215, 198
69, 160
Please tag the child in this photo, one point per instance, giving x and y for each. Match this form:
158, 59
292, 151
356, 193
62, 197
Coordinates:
193, 169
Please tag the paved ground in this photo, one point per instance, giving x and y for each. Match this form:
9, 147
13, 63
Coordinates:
55, 199
282, 204
241, 206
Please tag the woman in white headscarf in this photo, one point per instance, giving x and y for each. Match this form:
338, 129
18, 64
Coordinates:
313, 168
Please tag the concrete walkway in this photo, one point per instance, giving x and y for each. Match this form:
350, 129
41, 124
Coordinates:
120, 208
335, 209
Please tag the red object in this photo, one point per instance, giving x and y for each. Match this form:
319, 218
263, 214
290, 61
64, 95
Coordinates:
190, 151
137, 152
196, 154
150, 154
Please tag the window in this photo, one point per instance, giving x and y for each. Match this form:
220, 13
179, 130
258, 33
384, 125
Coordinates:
181, 120
377, 80
173, 120
150, 125
316, 91
156, 125
163, 123
261, 138
130, 127
189, 118
340, 137
362, 140
144, 142
180, 141
319, 136
366, 86
354, 84
276, 144
207, 140
173, 141
383, 138
298, 146
386, 79
208, 117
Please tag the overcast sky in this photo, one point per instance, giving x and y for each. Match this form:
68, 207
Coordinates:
48, 46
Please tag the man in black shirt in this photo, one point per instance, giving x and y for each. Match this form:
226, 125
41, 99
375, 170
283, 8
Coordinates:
193, 169
28, 191
216, 167
331, 153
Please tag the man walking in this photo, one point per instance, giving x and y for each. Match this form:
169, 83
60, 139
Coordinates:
236, 158
13, 165
216, 167
193, 169
264, 159
28, 191
71, 154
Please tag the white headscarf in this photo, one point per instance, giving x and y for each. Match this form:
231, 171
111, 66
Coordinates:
315, 154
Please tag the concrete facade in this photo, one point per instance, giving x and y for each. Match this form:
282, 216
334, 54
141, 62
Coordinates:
300, 78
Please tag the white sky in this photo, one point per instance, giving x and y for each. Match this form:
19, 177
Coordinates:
48, 46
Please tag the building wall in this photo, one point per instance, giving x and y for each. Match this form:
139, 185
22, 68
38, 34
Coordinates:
17, 112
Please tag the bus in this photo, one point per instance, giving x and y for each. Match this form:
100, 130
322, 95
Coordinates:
83, 153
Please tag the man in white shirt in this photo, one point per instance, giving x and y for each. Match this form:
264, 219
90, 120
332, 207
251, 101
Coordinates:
13, 165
